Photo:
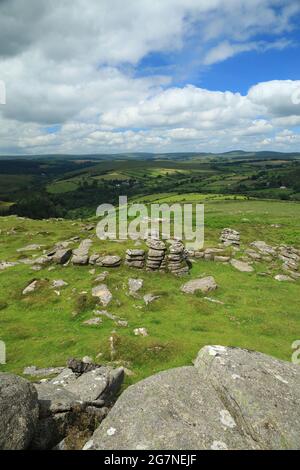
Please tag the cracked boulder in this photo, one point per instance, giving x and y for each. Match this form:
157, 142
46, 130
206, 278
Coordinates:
74, 402
230, 399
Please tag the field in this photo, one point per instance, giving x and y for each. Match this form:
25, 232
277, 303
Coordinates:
257, 312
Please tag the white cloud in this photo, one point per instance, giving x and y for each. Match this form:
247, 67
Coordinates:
278, 97
225, 49
74, 63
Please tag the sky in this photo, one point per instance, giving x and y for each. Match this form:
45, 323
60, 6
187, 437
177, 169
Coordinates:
109, 76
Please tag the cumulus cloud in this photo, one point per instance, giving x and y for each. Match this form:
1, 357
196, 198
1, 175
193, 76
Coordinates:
73, 64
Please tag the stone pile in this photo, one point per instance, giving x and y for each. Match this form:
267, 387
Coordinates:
135, 258
156, 255
230, 237
177, 259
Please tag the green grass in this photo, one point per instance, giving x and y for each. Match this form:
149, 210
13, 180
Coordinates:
45, 329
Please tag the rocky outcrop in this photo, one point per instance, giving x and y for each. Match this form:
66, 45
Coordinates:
263, 248
230, 237
231, 399
135, 258
18, 412
155, 255
177, 259
74, 402
61, 256
81, 254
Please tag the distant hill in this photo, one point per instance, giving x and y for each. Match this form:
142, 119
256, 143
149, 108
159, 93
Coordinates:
233, 154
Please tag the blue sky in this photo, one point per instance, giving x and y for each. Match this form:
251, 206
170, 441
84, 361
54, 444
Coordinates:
177, 75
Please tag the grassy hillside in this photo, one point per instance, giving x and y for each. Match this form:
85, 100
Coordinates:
45, 329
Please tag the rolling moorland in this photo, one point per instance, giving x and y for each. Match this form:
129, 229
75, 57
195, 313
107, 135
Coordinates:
255, 194
73, 186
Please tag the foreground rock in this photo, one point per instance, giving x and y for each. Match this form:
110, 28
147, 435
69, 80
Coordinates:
73, 403
204, 285
18, 412
230, 399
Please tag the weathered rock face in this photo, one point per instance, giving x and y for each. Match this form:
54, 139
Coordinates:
81, 254
156, 254
18, 412
263, 248
61, 256
230, 399
205, 284
109, 261
74, 401
135, 258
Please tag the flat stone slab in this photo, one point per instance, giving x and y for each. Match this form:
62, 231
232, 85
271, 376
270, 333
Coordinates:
54, 399
241, 266
32, 247
284, 278
205, 284
263, 248
43, 372
109, 261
